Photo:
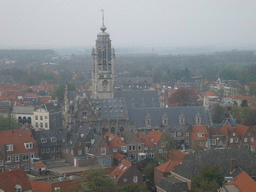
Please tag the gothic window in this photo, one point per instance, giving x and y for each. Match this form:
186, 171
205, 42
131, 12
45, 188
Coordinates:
104, 85
112, 130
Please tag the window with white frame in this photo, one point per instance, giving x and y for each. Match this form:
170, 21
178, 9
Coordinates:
36, 117
123, 148
151, 147
214, 142
234, 134
163, 144
9, 147
252, 139
139, 147
72, 152
15, 158
9, 159
135, 179
41, 125
187, 134
45, 117
43, 140
1, 162
114, 150
26, 167
187, 142
103, 151
151, 154
28, 145
245, 139
32, 155
46, 125
18, 188
231, 140
25, 158
36, 125
160, 151
41, 117
146, 148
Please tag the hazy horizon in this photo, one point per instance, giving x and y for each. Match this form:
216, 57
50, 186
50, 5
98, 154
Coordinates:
148, 24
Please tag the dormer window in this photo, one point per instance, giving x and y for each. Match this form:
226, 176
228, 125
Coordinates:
9, 147
18, 188
43, 140
182, 119
28, 145
198, 119
200, 134
148, 120
187, 134
53, 139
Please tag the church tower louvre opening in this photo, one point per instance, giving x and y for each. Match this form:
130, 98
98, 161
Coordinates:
103, 66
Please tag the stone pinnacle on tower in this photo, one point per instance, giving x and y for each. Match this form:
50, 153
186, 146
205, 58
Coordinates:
103, 27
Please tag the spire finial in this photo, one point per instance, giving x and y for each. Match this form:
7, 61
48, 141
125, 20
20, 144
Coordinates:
103, 28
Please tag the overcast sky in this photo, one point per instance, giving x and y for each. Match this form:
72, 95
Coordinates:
34, 23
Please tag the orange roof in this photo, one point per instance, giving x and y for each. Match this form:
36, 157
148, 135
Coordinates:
145, 139
9, 179
17, 137
120, 169
45, 99
172, 91
39, 164
199, 129
155, 135
223, 129
118, 156
244, 182
114, 140
40, 186
254, 143
209, 93
168, 166
176, 155
30, 95
241, 129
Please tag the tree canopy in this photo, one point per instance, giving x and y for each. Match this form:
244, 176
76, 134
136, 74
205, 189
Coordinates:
209, 179
7, 123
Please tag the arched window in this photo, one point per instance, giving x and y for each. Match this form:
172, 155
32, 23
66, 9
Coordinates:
20, 119
29, 120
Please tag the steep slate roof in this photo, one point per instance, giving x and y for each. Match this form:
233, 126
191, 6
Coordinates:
138, 116
139, 99
244, 182
131, 138
96, 143
9, 179
17, 137
176, 155
120, 169
199, 129
172, 184
146, 140
48, 134
168, 166
51, 107
22, 110
155, 135
110, 107
244, 160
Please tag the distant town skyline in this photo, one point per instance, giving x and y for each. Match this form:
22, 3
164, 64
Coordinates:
168, 24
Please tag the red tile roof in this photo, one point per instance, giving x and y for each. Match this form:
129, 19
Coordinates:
39, 164
145, 139
223, 129
244, 182
40, 186
199, 129
168, 166
155, 135
17, 137
254, 143
114, 141
120, 169
45, 99
209, 93
118, 156
176, 155
30, 95
8, 180
241, 129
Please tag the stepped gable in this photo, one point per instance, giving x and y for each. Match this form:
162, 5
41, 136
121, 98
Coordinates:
139, 99
173, 113
244, 161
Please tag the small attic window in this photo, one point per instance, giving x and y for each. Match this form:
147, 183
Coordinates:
43, 140
53, 139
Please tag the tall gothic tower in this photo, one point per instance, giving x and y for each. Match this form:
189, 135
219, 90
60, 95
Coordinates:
103, 66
